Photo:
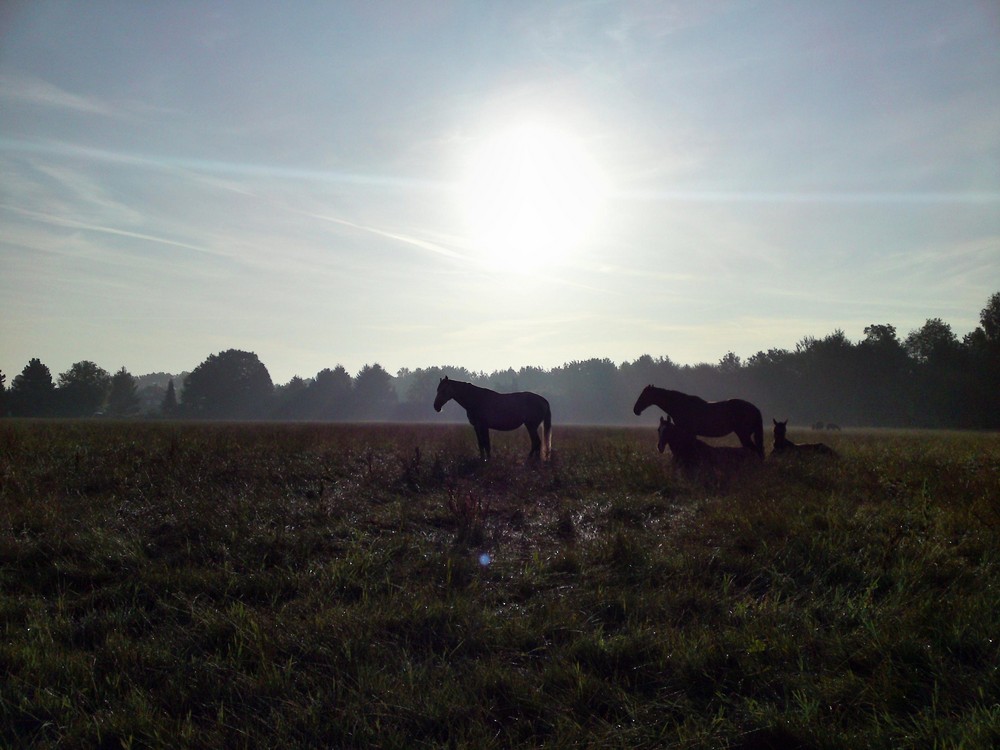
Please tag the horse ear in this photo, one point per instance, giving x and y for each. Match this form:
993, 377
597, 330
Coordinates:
775, 421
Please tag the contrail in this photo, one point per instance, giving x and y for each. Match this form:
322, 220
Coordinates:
71, 224
423, 244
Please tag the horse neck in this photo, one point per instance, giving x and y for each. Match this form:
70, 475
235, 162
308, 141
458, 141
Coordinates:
465, 394
669, 400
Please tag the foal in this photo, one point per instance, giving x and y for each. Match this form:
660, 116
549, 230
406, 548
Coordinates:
783, 445
690, 452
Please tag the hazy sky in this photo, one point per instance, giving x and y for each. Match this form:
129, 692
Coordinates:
489, 184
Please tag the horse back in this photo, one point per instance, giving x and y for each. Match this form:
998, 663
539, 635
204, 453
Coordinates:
508, 411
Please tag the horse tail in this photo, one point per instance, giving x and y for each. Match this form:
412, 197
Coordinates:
547, 433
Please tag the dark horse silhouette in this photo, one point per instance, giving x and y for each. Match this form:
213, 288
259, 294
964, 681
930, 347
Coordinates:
691, 452
488, 410
783, 445
709, 418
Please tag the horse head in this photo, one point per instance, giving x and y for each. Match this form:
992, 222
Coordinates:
644, 400
779, 429
665, 431
443, 393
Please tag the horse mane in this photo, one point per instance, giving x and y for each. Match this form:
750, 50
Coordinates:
671, 393
466, 385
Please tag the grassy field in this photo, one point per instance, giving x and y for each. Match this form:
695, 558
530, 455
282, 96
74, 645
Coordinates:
182, 585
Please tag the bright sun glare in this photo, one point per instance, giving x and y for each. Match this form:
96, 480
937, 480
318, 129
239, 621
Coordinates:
529, 197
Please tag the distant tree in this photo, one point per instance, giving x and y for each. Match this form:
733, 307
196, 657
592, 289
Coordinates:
529, 379
374, 395
661, 372
329, 394
290, 399
290, 390
33, 394
983, 348
828, 381
83, 389
504, 381
934, 342
769, 382
230, 385
418, 388
169, 406
990, 318
940, 379
587, 392
123, 398
886, 383
730, 364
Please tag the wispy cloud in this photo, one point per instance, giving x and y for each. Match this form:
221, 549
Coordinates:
812, 197
219, 167
30, 90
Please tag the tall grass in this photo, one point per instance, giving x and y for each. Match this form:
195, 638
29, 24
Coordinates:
170, 585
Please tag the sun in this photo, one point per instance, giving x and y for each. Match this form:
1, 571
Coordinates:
529, 196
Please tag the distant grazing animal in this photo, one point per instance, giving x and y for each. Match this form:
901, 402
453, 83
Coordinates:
709, 418
818, 425
832, 426
488, 410
691, 452
783, 445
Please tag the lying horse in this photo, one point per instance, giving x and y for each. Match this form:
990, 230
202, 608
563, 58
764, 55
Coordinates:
709, 418
691, 452
783, 445
488, 410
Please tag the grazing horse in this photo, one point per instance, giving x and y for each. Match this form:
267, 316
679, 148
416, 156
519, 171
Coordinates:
709, 418
488, 410
691, 452
783, 445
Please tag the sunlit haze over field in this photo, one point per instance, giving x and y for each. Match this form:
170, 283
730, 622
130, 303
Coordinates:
489, 185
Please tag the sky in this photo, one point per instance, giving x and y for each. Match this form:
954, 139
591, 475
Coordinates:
489, 185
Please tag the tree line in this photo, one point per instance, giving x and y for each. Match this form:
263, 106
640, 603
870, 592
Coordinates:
930, 378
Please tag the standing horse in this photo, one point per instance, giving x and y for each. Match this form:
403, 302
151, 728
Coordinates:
783, 445
488, 410
709, 418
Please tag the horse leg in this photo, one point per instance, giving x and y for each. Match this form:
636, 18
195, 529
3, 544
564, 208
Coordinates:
753, 440
483, 436
536, 442
547, 431
746, 440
